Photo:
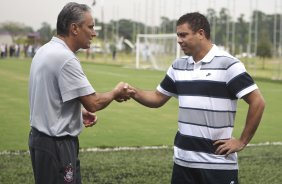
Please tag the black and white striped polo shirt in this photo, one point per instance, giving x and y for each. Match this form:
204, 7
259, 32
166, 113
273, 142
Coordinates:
207, 92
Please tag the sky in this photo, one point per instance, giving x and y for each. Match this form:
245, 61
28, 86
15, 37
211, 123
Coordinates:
34, 12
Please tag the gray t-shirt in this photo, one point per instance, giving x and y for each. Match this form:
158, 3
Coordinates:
56, 81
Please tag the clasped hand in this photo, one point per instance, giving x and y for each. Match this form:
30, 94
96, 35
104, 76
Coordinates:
123, 92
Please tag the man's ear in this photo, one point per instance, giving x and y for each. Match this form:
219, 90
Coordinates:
74, 29
201, 33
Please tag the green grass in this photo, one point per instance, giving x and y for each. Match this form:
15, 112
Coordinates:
126, 124
258, 165
264, 68
121, 124
129, 124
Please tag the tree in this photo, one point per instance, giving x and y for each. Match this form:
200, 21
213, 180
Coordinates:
16, 30
45, 32
166, 25
264, 47
223, 32
211, 16
241, 33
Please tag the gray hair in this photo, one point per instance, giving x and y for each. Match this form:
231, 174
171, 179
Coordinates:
71, 13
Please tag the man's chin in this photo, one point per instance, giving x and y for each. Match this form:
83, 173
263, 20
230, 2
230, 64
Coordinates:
187, 53
86, 47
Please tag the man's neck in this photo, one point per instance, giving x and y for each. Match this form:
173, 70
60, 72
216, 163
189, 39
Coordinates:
203, 51
68, 42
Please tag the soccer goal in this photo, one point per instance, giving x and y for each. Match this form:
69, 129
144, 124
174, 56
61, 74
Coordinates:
156, 51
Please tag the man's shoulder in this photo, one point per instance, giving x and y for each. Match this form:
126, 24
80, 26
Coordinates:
223, 59
53, 55
58, 51
180, 63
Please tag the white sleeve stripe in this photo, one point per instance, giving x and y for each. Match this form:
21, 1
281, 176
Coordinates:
247, 91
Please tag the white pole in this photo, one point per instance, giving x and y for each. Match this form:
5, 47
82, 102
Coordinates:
137, 51
256, 29
275, 29
233, 29
164, 13
280, 32
249, 50
227, 26
214, 24
178, 50
117, 23
174, 13
146, 17
280, 42
153, 16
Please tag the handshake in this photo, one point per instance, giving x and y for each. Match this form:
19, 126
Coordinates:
123, 92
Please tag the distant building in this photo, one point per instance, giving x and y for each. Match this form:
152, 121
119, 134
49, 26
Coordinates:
33, 38
6, 38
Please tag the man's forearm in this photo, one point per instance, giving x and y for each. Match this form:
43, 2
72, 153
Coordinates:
152, 99
102, 100
256, 108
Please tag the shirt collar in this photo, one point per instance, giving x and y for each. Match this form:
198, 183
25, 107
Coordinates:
58, 40
208, 57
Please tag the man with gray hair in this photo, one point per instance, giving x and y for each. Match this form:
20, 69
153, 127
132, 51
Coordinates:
57, 89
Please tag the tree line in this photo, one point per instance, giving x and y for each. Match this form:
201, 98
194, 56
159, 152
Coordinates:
260, 36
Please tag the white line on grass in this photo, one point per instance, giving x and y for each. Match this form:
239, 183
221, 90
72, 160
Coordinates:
5, 152
266, 144
123, 148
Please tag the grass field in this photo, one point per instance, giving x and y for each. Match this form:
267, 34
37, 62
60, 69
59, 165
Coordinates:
258, 165
129, 124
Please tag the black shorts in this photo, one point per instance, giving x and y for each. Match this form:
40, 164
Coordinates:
54, 159
185, 175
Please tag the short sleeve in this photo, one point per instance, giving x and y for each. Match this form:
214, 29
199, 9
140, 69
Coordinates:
72, 81
239, 82
167, 85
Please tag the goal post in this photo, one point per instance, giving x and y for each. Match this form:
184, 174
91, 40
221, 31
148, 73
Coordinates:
156, 51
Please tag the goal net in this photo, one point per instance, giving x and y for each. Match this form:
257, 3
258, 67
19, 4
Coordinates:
156, 51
